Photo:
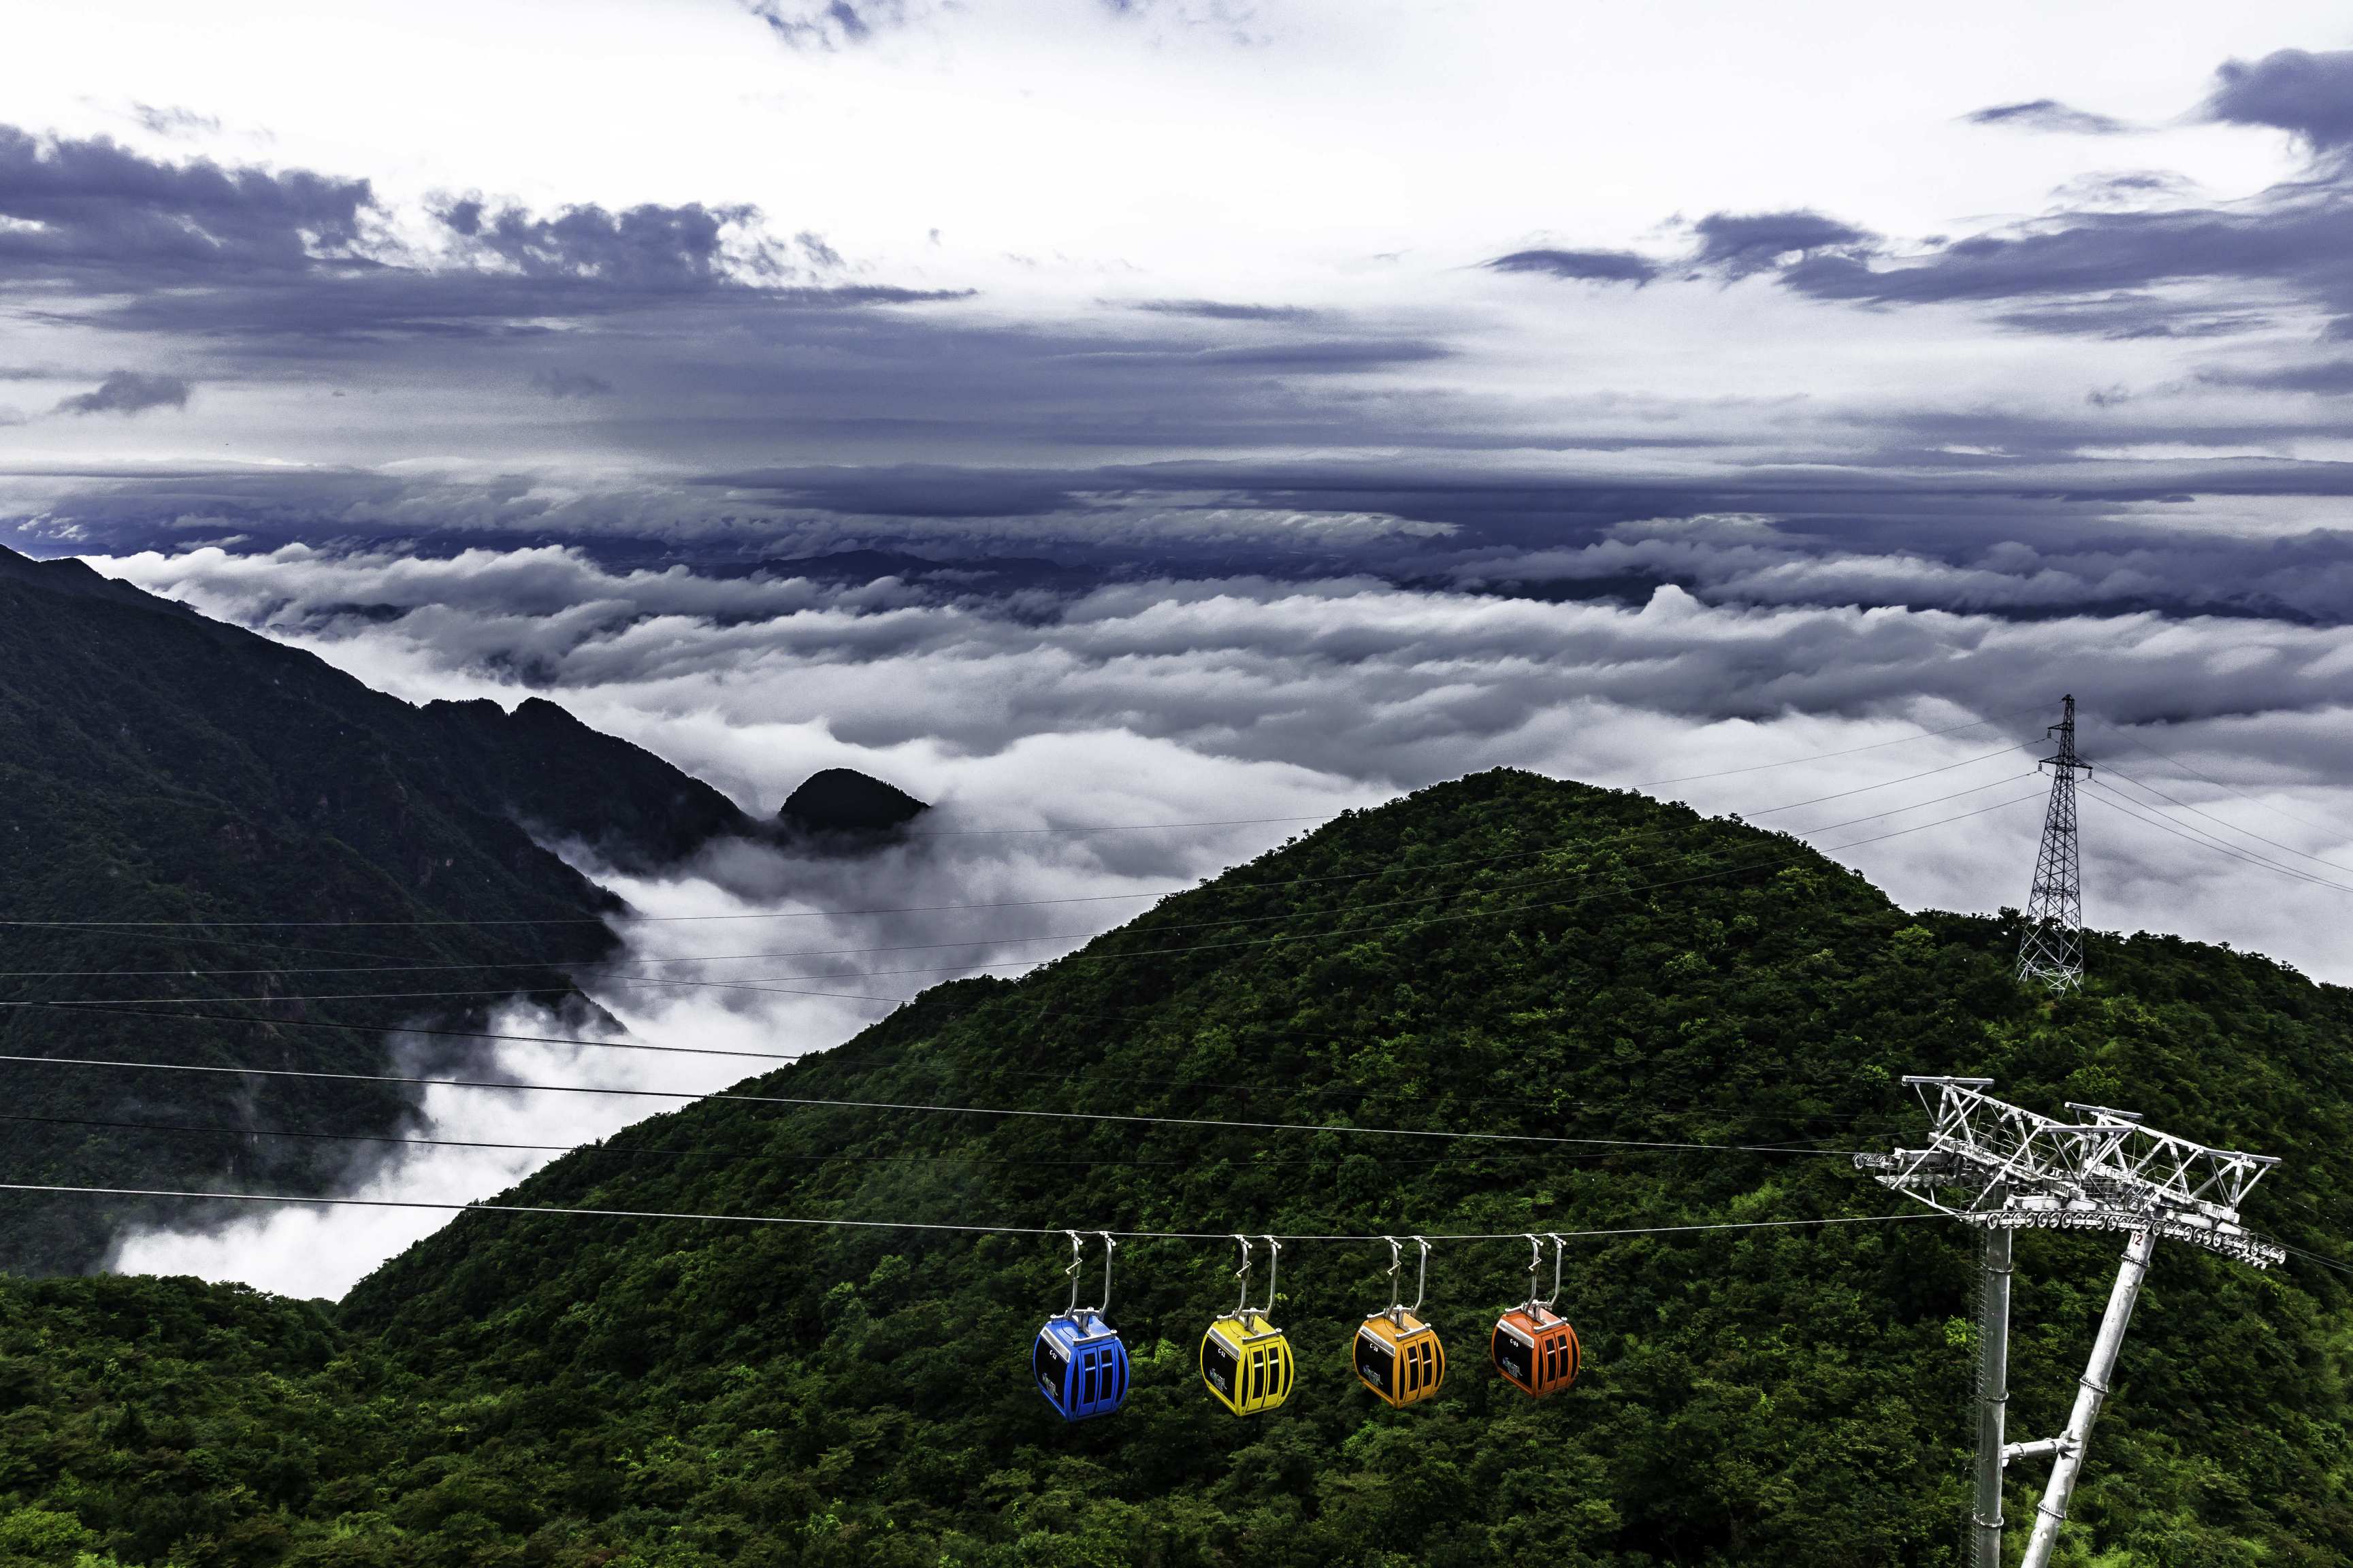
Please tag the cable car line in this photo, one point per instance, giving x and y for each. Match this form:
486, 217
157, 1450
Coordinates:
757, 983
771, 984
127, 925
133, 1012
113, 1004
2121, 733
1851, 751
1360, 1091
1597, 842
604, 1148
2141, 812
968, 1229
816, 1102
118, 1007
2308, 1253
2115, 772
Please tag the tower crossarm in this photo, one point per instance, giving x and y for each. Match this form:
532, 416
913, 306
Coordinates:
1995, 1163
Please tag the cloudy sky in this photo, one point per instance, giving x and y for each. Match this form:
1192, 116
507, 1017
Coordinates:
1101, 415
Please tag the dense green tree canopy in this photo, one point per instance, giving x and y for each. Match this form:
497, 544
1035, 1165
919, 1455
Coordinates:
1505, 955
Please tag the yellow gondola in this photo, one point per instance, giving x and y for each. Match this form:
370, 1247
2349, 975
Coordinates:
1534, 1346
1398, 1356
1245, 1361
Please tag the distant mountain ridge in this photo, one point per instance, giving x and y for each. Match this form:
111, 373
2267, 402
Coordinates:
158, 766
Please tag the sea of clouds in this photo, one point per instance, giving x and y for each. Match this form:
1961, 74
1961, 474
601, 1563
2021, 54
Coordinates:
1061, 735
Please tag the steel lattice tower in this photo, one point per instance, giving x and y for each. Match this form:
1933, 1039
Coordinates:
2050, 952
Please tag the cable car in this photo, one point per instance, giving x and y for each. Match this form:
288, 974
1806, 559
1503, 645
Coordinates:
1245, 1360
1079, 1361
1398, 1356
1534, 1346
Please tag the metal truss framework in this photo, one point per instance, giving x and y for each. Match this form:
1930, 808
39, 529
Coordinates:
2004, 1169
2051, 951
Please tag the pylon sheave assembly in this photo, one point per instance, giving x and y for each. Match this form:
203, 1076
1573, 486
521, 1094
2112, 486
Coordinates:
1246, 1361
1078, 1360
1532, 1346
1397, 1356
2004, 1169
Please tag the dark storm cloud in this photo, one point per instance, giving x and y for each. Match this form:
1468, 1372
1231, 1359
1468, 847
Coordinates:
1739, 244
2124, 316
2018, 541
2187, 269
647, 247
2301, 238
2329, 377
2048, 114
129, 392
707, 335
2307, 94
281, 265
1580, 266
1221, 310
94, 213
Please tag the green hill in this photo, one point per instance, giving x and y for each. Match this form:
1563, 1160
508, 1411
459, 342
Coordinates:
158, 766
1502, 954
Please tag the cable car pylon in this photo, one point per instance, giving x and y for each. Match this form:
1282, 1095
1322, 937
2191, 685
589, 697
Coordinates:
2005, 1169
2051, 949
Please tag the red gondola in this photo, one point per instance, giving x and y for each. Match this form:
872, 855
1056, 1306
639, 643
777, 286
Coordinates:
1534, 1346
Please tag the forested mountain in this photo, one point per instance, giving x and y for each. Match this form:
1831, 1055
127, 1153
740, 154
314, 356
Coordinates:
1502, 954
160, 767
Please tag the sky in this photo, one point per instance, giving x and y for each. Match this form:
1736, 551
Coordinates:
1095, 415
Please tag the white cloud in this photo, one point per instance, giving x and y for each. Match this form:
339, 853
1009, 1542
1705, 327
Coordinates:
1209, 701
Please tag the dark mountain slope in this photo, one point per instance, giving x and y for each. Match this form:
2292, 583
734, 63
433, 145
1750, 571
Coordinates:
843, 802
1778, 1397
1500, 954
160, 767
554, 775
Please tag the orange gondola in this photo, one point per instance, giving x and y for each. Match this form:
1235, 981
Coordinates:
1398, 1356
1533, 1347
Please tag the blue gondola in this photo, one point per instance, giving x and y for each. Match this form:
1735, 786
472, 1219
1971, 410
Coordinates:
1078, 1362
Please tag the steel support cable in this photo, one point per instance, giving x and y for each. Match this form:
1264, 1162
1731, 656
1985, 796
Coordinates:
1229, 1124
915, 1106
755, 983
772, 985
2139, 745
2308, 1253
1220, 1236
585, 1151
2115, 772
2190, 834
759, 983
1020, 903
1849, 752
1245, 1089
1598, 842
